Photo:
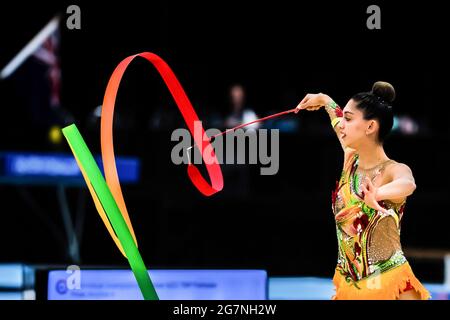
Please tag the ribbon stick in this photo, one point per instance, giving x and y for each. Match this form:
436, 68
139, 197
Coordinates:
255, 121
105, 203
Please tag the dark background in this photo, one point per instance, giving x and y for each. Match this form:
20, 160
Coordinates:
280, 51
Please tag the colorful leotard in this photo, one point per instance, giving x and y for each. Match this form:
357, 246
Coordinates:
371, 263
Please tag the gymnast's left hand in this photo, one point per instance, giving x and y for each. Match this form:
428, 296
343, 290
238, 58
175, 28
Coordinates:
370, 195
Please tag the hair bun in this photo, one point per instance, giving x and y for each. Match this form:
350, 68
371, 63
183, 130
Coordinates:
384, 90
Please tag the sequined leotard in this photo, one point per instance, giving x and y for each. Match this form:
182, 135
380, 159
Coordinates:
371, 263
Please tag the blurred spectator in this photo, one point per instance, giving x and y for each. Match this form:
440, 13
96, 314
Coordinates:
238, 175
240, 113
406, 125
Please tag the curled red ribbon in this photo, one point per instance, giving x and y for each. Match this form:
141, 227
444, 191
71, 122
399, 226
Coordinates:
190, 117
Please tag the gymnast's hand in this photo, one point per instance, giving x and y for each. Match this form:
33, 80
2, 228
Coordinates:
312, 102
370, 193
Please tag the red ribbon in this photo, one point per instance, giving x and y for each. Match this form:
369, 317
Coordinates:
189, 115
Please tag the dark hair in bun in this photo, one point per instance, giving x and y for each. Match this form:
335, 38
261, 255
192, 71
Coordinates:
376, 105
384, 90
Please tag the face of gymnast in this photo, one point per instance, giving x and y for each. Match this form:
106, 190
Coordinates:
355, 129
367, 117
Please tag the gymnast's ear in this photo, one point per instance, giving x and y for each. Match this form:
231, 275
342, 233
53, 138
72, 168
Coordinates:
372, 126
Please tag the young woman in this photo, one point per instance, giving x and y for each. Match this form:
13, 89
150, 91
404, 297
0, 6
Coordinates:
369, 200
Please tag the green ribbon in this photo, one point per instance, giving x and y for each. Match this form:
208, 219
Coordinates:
94, 178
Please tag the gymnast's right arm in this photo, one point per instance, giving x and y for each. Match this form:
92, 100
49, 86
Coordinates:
312, 102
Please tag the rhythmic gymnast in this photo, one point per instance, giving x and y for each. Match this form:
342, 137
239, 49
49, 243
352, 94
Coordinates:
369, 200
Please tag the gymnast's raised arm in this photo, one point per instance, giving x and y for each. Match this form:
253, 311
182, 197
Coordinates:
314, 101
